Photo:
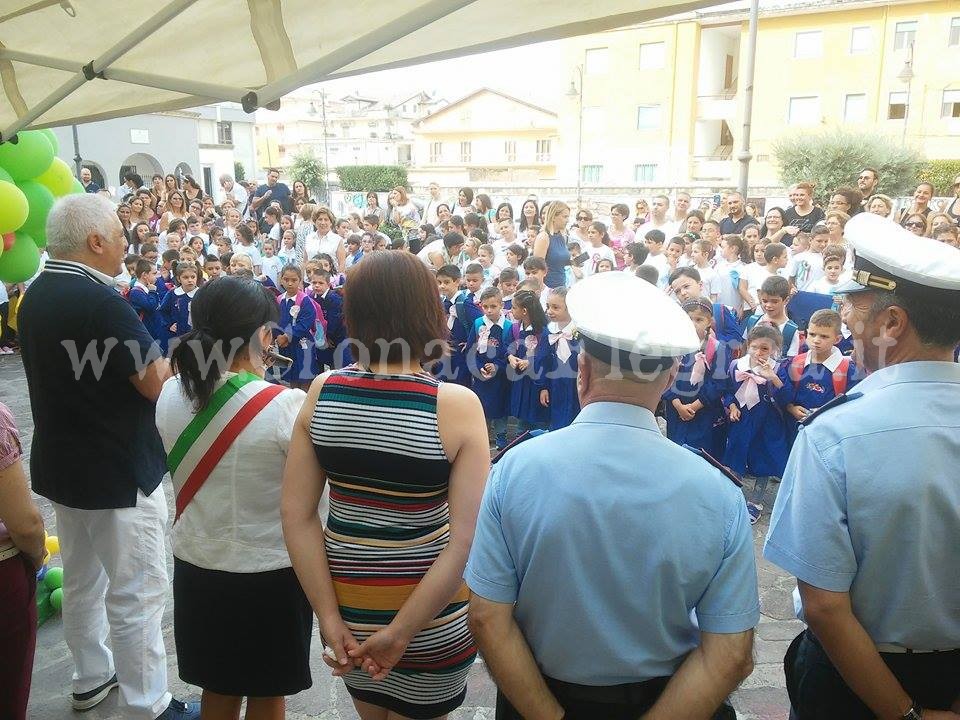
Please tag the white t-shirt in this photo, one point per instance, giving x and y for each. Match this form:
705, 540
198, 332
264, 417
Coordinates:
432, 247
728, 273
271, 267
239, 193
824, 286
755, 275
668, 228
251, 252
603, 252
806, 267
233, 522
710, 280
662, 266
328, 244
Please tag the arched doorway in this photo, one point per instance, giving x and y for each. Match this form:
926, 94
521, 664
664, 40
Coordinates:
96, 172
142, 164
181, 170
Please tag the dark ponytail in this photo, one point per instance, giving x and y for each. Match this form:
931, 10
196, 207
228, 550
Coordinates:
528, 300
226, 315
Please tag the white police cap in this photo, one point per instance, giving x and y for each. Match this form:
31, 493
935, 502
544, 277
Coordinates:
626, 321
889, 258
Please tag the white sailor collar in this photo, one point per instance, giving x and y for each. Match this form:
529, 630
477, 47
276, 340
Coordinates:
181, 291
831, 363
143, 287
501, 323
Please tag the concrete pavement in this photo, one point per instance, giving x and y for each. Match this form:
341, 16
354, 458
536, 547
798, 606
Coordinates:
761, 697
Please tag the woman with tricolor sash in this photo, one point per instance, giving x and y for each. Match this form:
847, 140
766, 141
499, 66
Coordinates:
241, 620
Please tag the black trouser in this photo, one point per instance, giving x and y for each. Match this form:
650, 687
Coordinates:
817, 692
615, 702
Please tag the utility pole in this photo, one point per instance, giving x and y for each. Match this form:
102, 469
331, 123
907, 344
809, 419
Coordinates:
745, 156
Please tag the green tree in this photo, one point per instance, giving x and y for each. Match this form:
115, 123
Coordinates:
239, 173
835, 157
942, 174
363, 178
309, 170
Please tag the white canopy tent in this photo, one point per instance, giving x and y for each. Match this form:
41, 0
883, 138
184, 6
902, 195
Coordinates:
74, 61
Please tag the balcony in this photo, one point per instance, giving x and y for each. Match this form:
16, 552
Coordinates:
722, 106
711, 167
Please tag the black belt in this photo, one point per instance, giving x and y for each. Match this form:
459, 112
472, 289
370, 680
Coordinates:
638, 693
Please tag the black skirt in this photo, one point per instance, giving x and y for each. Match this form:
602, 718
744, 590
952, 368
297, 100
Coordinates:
241, 634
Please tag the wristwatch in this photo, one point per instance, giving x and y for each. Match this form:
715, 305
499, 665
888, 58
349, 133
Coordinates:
914, 713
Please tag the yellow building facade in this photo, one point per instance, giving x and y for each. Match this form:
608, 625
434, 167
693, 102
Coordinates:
661, 104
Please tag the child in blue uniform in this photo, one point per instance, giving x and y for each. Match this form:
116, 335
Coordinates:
487, 347
555, 363
694, 412
453, 367
686, 283
175, 306
528, 332
467, 311
813, 378
773, 295
145, 297
756, 436
331, 303
507, 282
295, 337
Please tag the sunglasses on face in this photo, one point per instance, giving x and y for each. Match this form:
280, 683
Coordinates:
581, 217
914, 225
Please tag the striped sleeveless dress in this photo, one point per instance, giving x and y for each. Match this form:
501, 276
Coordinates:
377, 439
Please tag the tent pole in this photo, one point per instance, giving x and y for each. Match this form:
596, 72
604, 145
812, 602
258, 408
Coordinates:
98, 65
356, 49
77, 160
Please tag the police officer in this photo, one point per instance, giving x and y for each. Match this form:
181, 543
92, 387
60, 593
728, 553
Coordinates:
598, 544
868, 515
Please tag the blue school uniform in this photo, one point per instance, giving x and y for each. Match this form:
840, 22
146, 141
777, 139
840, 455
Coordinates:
558, 377
757, 442
298, 325
175, 309
508, 308
812, 385
147, 304
524, 393
489, 342
333, 356
462, 312
708, 428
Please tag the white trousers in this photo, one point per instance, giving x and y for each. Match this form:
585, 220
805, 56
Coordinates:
115, 583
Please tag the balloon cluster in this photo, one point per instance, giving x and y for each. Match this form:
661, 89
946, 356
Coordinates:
49, 583
32, 177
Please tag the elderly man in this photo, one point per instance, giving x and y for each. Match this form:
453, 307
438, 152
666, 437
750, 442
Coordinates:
588, 567
94, 374
86, 179
230, 190
868, 515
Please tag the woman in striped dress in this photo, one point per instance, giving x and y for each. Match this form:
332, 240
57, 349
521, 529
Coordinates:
406, 458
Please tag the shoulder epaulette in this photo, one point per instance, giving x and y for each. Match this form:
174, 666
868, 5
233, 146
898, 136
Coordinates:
516, 441
724, 470
838, 400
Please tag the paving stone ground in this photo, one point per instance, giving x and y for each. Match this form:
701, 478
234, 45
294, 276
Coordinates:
761, 697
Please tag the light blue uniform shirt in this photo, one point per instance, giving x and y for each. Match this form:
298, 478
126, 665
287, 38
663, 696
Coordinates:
870, 505
607, 535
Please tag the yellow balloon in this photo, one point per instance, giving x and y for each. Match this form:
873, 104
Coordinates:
52, 544
14, 207
58, 178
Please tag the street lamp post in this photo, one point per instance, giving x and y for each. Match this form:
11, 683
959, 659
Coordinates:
574, 92
906, 76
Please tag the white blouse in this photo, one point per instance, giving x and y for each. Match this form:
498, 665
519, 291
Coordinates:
233, 522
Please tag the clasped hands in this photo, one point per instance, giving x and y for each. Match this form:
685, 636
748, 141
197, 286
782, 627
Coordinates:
376, 656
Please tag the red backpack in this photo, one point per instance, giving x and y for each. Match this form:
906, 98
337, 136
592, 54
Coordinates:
839, 375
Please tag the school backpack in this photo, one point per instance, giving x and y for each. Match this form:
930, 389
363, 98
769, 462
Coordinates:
461, 305
727, 329
320, 324
789, 330
839, 375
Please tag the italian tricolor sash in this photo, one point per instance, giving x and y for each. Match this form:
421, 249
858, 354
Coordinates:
211, 433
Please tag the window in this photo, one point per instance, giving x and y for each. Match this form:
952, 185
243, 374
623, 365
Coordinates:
593, 121
861, 38
951, 104
855, 108
597, 61
510, 151
652, 55
465, 151
808, 44
897, 110
648, 117
954, 38
645, 173
804, 111
591, 173
904, 34
225, 133
436, 151
543, 151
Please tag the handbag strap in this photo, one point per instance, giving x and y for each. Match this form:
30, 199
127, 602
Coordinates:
218, 448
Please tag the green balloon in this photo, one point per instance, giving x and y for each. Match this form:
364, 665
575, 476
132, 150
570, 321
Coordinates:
19, 264
53, 579
14, 208
77, 188
28, 157
5, 176
57, 177
40, 200
56, 599
52, 137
